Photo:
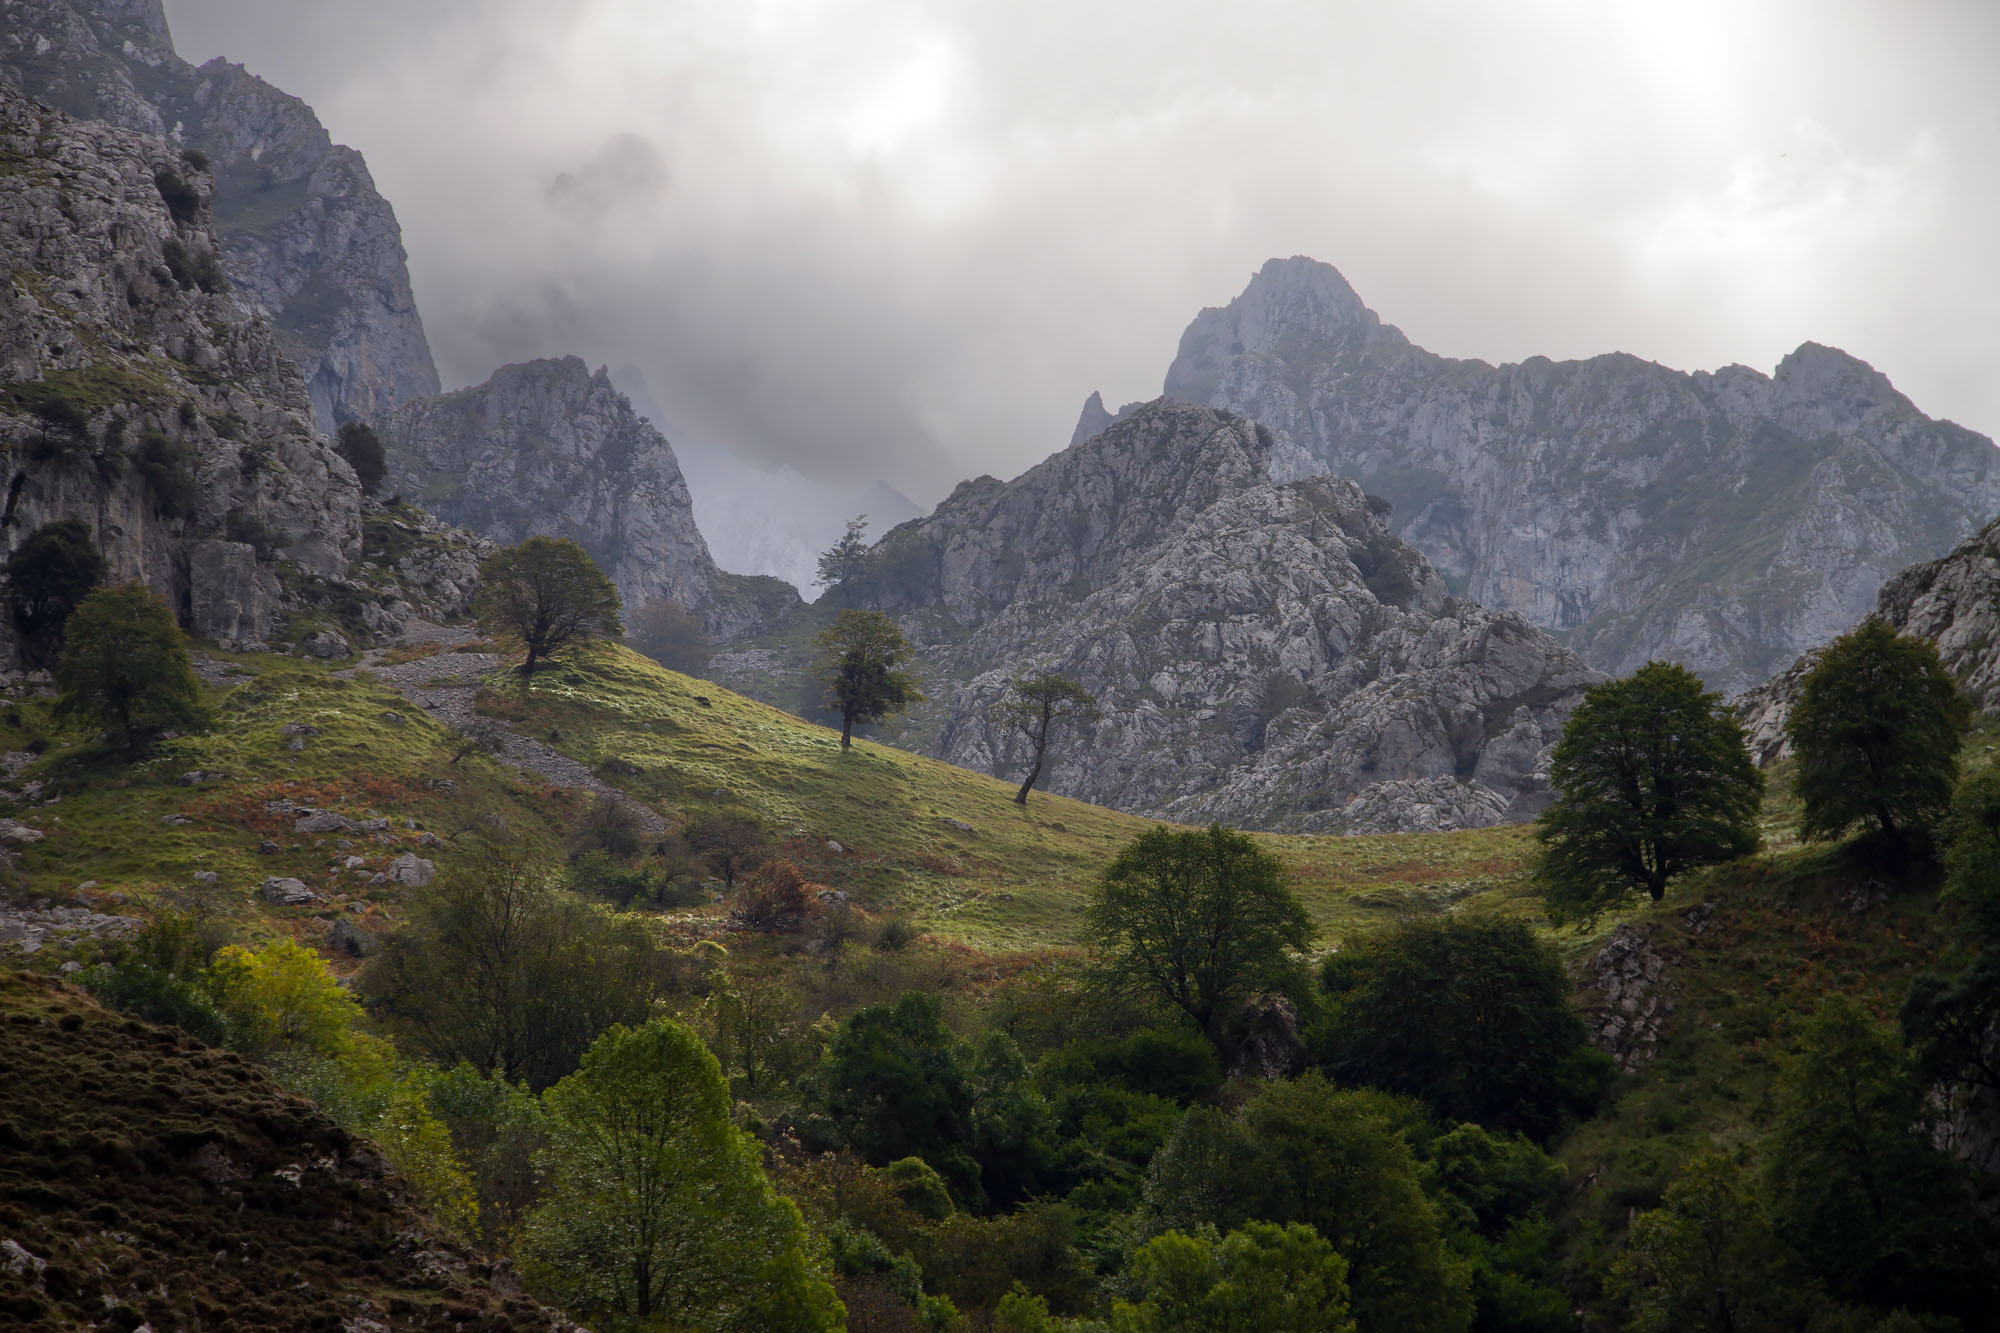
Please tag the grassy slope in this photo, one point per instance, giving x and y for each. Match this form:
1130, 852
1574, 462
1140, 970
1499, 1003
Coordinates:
1018, 880
158, 1180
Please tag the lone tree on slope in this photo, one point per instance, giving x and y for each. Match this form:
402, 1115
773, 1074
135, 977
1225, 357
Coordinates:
862, 658
1652, 778
1876, 731
1038, 705
126, 667
547, 593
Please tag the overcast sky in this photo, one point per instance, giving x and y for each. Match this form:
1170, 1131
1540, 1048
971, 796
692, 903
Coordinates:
905, 238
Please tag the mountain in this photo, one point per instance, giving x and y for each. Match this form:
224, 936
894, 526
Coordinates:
548, 448
1265, 654
306, 239
1726, 520
137, 396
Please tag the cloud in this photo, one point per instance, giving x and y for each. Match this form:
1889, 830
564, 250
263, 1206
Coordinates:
886, 238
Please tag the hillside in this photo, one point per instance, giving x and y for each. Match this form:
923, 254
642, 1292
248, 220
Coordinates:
148, 1181
1727, 520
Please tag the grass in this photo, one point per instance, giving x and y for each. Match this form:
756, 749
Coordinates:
1019, 879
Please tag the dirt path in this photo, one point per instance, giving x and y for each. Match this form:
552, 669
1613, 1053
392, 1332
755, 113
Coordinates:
445, 684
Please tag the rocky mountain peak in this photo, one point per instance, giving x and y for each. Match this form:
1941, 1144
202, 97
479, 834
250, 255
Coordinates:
1726, 521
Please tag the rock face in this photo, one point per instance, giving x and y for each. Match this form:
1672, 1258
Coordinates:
1269, 655
139, 398
306, 239
546, 448
1727, 521
1953, 602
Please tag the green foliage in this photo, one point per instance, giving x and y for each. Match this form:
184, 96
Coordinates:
495, 966
1652, 778
1037, 706
281, 997
183, 201
545, 594
861, 660
663, 630
1707, 1261
147, 992
192, 270
1470, 1015
730, 844
168, 466
1876, 730
1307, 1152
1194, 922
418, 1145
126, 667
358, 443
920, 1188
656, 1207
840, 563
895, 1085
1259, 1277
48, 576
1855, 1183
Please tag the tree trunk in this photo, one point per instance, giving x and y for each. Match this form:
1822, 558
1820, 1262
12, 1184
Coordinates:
1021, 796
846, 729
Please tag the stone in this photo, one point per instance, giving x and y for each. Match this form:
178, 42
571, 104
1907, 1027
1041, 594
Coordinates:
207, 877
354, 863
16, 832
348, 938
327, 644
268, 848
1270, 1047
412, 871
370, 825
285, 891
834, 847
958, 824
176, 820
395, 719
232, 595
70, 969
194, 777
299, 729
321, 821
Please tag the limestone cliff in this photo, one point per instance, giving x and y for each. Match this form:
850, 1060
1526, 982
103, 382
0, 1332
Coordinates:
547, 448
306, 239
1726, 520
138, 396
1266, 654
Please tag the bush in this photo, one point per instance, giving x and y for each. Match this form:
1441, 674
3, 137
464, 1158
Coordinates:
168, 466
132, 987
47, 576
126, 666
183, 200
775, 896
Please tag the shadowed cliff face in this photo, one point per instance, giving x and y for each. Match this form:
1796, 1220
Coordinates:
305, 237
1724, 520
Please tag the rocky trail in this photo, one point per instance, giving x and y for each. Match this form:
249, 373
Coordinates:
445, 685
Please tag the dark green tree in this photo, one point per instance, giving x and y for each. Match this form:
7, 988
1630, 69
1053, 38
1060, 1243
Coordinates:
1652, 778
895, 1084
840, 563
1470, 1016
1855, 1183
126, 667
862, 659
1707, 1261
1876, 731
657, 1210
729, 844
362, 448
1949, 1016
1304, 1151
545, 593
1040, 705
1195, 921
47, 576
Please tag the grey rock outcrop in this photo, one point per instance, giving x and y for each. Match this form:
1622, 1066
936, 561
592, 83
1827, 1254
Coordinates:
159, 412
305, 237
1727, 520
547, 448
1095, 418
1268, 655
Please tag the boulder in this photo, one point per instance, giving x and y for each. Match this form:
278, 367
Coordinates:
348, 938
411, 871
285, 891
321, 821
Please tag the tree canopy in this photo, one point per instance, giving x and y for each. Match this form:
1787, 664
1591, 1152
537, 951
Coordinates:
126, 666
1260, 1278
842, 561
47, 576
1471, 1017
1876, 730
1037, 706
657, 1208
546, 593
862, 659
1652, 778
1196, 921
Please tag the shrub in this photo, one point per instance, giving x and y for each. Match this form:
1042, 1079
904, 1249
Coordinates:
126, 666
47, 577
183, 201
168, 466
